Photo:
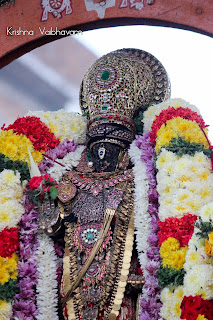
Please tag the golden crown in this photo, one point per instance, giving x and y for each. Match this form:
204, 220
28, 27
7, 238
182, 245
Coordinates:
120, 84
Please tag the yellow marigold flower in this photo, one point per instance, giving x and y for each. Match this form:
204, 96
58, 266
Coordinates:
12, 263
211, 238
4, 275
8, 268
171, 244
208, 248
17, 150
175, 259
179, 127
14, 275
201, 317
172, 255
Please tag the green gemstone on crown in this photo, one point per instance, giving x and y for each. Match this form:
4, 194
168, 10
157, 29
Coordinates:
104, 108
105, 75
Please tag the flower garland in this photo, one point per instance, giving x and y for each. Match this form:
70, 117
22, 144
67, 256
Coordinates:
198, 289
11, 211
47, 294
35, 130
152, 112
24, 306
64, 125
142, 218
14, 147
171, 113
63, 160
58, 152
150, 298
184, 186
20, 166
178, 127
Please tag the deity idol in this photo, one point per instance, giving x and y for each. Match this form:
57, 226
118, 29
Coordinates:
101, 273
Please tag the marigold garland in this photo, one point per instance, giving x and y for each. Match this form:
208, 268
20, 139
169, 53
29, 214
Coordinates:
179, 127
15, 147
184, 186
35, 130
171, 113
152, 112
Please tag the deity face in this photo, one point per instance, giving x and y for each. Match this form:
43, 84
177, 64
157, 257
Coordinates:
105, 156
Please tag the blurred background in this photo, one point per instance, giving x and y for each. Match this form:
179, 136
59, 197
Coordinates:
49, 77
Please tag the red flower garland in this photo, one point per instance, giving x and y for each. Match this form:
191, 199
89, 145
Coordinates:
9, 242
178, 228
171, 113
192, 306
35, 130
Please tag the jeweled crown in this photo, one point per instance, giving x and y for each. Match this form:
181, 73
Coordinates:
120, 84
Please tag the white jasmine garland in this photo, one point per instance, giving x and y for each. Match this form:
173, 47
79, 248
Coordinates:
69, 161
142, 217
47, 297
153, 111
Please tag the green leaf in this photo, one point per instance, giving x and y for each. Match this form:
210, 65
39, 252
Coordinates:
170, 277
53, 192
8, 290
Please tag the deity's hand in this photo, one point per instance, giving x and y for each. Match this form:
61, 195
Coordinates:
49, 216
43, 191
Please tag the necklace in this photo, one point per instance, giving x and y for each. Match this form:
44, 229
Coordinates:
95, 183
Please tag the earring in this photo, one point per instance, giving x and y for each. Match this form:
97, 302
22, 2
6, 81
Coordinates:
90, 163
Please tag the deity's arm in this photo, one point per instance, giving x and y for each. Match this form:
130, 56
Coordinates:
53, 213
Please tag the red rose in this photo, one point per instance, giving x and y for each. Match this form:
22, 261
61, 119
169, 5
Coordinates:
207, 309
35, 182
46, 189
191, 307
